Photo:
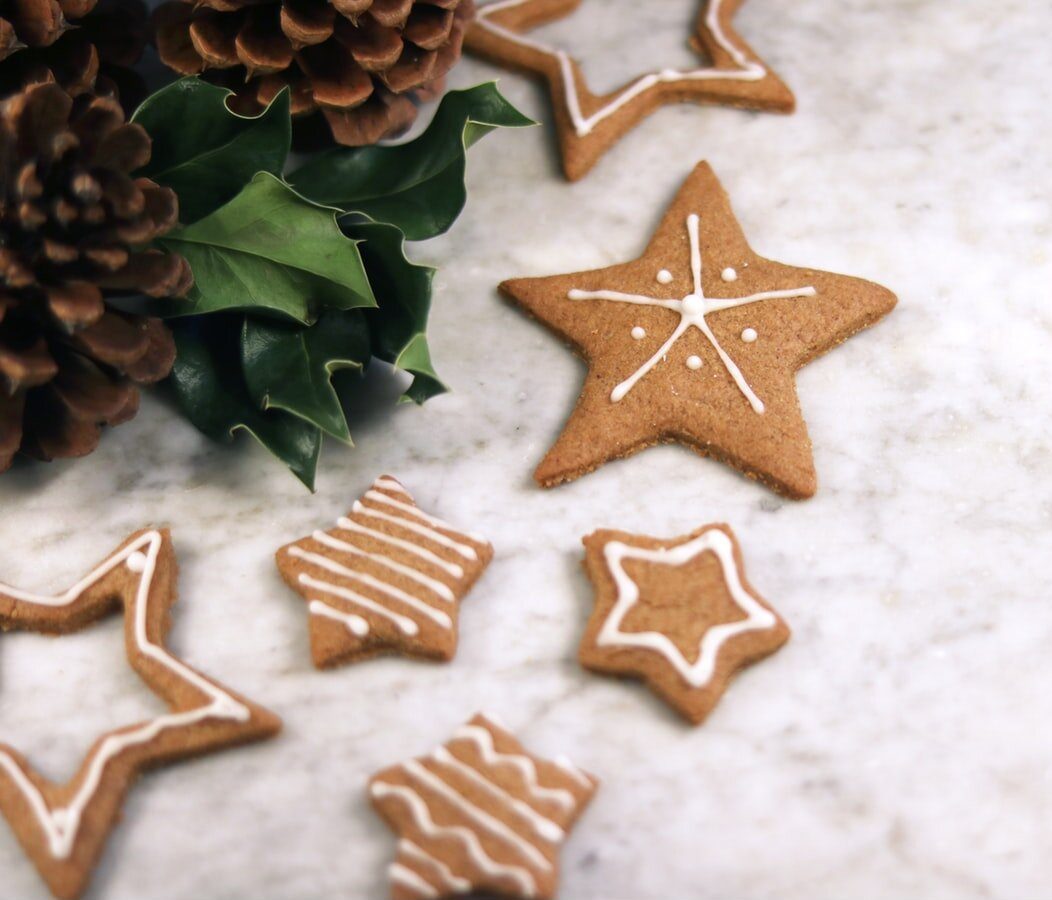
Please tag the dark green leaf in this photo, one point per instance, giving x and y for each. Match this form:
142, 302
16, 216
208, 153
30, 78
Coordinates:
211, 390
205, 152
418, 186
403, 289
269, 251
290, 367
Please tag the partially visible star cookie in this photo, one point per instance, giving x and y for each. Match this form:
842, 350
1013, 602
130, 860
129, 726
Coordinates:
479, 815
63, 827
697, 341
589, 124
679, 614
388, 578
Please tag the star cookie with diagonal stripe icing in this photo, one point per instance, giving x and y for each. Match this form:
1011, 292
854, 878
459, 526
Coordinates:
388, 578
678, 614
589, 124
697, 342
63, 827
479, 815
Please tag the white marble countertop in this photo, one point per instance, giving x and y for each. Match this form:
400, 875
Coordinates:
899, 746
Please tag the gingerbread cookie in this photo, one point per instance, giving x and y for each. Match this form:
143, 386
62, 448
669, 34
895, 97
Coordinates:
388, 578
697, 341
679, 614
479, 815
63, 827
588, 125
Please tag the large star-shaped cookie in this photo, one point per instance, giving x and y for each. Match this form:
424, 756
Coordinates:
678, 614
388, 578
479, 815
697, 341
63, 826
588, 124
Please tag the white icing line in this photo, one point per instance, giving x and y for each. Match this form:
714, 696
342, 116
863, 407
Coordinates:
420, 514
404, 623
476, 852
437, 616
465, 550
490, 823
567, 766
409, 879
389, 484
449, 881
450, 567
354, 624
747, 70
62, 824
443, 590
483, 740
698, 674
542, 826
692, 311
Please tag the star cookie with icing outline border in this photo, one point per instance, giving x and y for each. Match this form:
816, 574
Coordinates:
589, 124
479, 815
697, 342
63, 827
678, 614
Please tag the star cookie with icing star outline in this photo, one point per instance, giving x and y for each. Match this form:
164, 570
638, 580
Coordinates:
388, 578
63, 827
589, 124
678, 614
697, 342
479, 815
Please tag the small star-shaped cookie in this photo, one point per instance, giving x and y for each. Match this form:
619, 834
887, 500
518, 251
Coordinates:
697, 341
63, 827
388, 578
479, 815
589, 124
678, 614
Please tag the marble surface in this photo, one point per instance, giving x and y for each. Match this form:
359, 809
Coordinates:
897, 747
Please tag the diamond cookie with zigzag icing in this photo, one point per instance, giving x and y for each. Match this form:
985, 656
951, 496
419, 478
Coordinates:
388, 578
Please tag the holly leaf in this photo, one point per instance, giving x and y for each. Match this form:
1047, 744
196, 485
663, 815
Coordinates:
203, 150
397, 326
290, 367
417, 186
211, 390
269, 251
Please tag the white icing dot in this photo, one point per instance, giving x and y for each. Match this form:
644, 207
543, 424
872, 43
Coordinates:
694, 362
693, 304
729, 274
749, 335
664, 277
137, 562
639, 333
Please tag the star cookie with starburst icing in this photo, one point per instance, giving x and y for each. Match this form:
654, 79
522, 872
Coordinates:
697, 342
479, 815
63, 827
589, 124
388, 578
678, 614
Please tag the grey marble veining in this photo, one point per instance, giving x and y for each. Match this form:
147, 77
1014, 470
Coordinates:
897, 747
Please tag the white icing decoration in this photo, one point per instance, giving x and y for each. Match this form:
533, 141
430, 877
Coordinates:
483, 740
475, 851
639, 333
664, 277
747, 70
379, 497
749, 335
355, 624
694, 363
451, 882
729, 274
567, 766
692, 310
698, 674
61, 825
405, 624
408, 879
452, 568
465, 550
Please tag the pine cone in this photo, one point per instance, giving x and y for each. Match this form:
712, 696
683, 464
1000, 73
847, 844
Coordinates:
71, 222
92, 42
361, 63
